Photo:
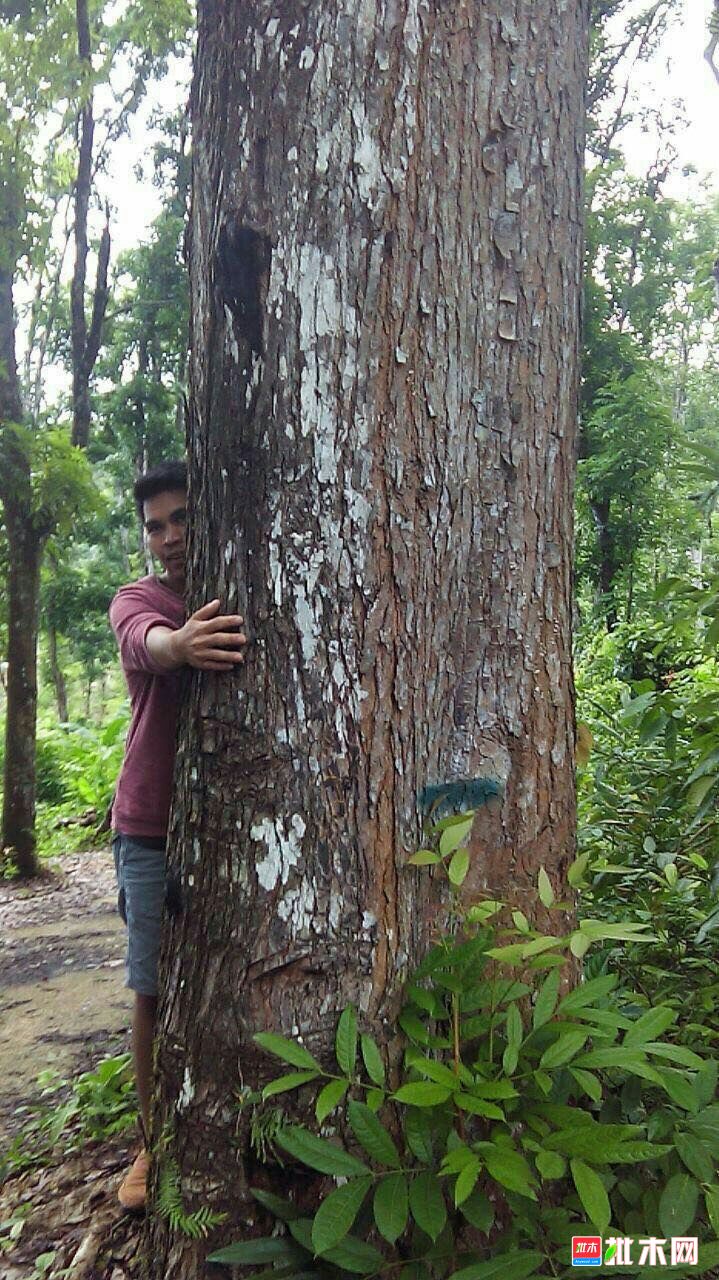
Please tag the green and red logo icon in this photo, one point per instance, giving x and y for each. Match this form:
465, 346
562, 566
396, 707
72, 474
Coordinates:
586, 1251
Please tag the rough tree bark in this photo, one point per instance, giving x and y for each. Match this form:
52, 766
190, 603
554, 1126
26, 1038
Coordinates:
385, 265
58, 678
26, 535
85, 343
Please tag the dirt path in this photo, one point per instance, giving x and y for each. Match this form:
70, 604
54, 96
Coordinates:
62, 1000
63, 1006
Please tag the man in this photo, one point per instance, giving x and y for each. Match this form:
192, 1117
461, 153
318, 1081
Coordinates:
156, 643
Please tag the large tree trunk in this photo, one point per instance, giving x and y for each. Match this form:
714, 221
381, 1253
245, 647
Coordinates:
385, 263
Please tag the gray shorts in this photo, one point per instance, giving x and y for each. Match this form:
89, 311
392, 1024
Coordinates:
141, 899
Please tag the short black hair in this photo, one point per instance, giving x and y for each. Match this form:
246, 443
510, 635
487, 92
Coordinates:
161, 479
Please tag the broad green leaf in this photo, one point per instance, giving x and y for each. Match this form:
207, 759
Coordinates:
502, 1089
466, 1181
418, 1134
678, 1204
329, 1097
288, 1050
336, 1214
351, 1255
391, 1206
478, 1210
680, 1089
711, 1199
426, 1201
373, 1060
413, 1027
438, 1072
614, 1056
520, 921
705, 1082
276, 1205
452, 837
284, 1083
424, 858
422, 1093
355, 1256
575, 873
375, 1099
695, 1156
318, 1153
600, 930
579, 945
478, 1106
588, 1082
510, 1169
565, 1047
346, 1041
592, 1194
653, 1023
458, 867
699, 790
538, 945
505, 1266
546, 892
247, 1252
372, 1135
515, 1029
550, 1164
515, 1032
546, 1000
674, 1053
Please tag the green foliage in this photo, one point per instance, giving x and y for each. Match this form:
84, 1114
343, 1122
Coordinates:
93, 1106
648, 826
521, 1116
170, 1205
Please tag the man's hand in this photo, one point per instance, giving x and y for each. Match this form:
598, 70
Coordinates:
208, 641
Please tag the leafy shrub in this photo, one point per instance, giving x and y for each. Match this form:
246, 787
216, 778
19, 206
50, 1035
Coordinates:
521, 1114
648, 831
99, 1103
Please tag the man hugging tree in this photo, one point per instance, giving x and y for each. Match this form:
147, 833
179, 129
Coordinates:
156, 643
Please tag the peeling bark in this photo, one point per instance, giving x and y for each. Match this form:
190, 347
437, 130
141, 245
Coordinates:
385, 265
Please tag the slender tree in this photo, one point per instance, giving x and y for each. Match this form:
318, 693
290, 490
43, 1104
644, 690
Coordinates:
385, 266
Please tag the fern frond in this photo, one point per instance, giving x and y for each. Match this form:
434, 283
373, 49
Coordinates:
170, 1205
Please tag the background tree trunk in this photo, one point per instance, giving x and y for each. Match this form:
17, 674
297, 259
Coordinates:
58, 679
385, 264
25, 542
24, 556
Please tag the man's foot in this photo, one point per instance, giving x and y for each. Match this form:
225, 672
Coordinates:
133, 1190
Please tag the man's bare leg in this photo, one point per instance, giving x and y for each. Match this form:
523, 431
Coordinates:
134, 1187
143, 1031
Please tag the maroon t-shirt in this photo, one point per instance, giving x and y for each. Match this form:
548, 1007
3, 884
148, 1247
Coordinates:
142, 799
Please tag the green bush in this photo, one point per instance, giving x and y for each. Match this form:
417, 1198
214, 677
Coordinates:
97, 1104
521, 1115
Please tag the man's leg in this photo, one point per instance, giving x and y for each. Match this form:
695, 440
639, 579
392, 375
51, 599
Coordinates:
143, 1030
141, 874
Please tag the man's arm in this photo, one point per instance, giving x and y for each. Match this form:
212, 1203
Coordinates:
207, 641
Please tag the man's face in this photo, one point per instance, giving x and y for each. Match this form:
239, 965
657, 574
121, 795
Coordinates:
165, 532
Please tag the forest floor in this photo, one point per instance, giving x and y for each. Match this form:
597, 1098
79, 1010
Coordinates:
63, 1007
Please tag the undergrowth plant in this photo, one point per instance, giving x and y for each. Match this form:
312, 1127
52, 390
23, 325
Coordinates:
100, 1103
524, 1114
